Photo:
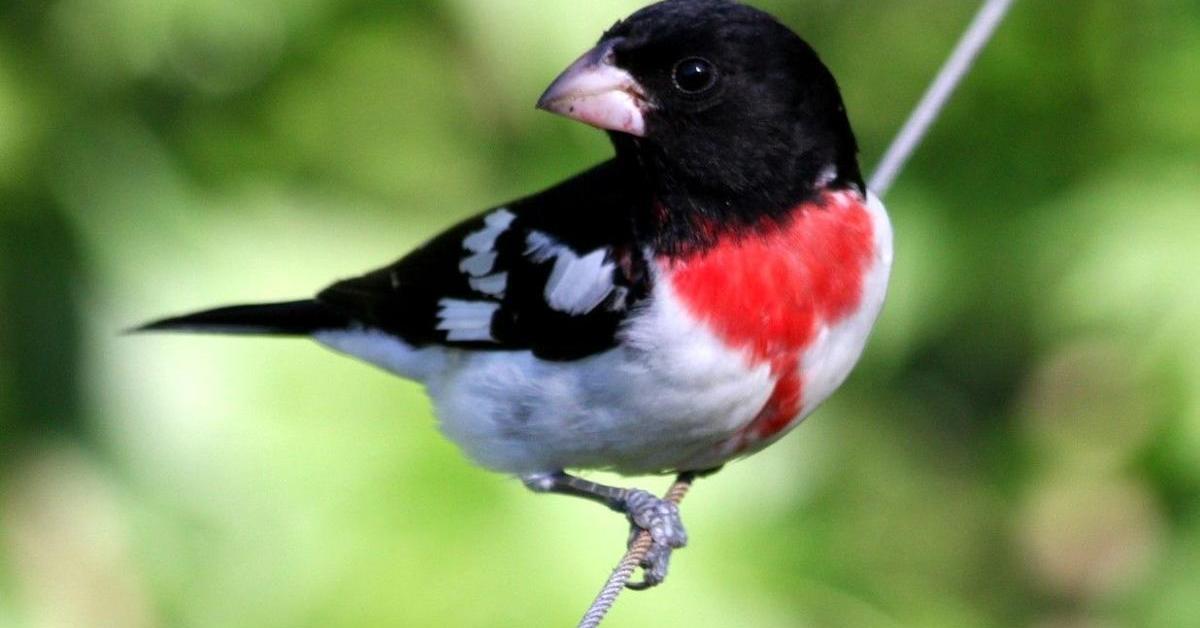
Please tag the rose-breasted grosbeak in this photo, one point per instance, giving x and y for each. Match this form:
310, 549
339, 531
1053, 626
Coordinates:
683, 304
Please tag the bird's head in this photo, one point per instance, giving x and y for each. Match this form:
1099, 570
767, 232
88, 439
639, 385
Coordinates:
716, 98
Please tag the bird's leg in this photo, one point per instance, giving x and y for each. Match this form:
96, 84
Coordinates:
646, 511
565, 484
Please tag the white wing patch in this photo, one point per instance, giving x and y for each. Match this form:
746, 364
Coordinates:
491, 285
494, 224
466, 321
577, 284
481, 263
540, 247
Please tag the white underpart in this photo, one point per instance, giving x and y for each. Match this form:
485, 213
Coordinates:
577, 284
668, 394
668, 397
466, 321
386, 351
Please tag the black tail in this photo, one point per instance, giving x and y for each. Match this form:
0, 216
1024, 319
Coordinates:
294, 318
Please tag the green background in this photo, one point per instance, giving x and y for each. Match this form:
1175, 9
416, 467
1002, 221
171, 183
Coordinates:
1020, 446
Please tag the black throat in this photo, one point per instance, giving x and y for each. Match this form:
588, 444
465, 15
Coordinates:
692, 194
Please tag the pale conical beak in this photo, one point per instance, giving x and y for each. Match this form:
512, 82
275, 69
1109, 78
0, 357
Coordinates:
596, 92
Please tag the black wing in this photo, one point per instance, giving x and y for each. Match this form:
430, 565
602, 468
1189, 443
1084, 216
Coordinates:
555, 273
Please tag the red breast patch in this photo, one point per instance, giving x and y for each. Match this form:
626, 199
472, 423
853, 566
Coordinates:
771, 291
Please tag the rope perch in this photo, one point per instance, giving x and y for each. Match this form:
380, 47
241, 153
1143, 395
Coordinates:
633, 557
977, 35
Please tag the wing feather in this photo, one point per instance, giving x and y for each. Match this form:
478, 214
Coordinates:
547, 273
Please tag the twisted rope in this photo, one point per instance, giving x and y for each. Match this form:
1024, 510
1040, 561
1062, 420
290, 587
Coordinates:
978, 34
633, 557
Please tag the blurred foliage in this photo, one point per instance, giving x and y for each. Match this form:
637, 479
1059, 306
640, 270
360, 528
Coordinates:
1021, 446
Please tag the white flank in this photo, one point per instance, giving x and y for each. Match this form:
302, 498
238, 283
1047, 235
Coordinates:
666, 396
577, 285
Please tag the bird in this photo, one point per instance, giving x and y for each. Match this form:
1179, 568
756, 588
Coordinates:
684, 303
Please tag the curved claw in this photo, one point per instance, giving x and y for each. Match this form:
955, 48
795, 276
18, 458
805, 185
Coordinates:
654, 566
640, 586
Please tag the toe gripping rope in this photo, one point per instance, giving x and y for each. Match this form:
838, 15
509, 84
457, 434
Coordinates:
633, 557
978, 34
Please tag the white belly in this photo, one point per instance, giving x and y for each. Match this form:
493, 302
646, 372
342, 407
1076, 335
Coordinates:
669, 393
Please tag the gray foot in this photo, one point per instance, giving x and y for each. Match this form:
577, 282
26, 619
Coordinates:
661, 519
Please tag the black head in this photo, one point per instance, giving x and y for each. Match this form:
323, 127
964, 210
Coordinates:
727, 112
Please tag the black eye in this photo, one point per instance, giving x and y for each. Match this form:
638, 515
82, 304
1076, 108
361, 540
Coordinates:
694, 75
